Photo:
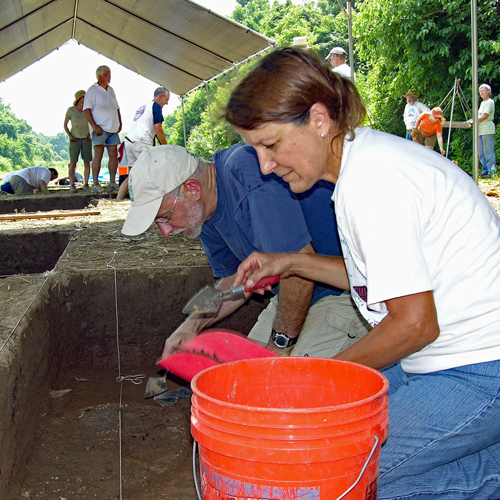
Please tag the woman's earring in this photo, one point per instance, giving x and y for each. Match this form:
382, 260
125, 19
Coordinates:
323, 135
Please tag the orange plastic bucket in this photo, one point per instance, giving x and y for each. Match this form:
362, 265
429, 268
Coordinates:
289, 428
122, 170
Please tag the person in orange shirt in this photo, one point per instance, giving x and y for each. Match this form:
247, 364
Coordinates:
428, 127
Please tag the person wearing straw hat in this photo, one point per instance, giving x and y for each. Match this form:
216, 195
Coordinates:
413, 110
236, 210
80, 143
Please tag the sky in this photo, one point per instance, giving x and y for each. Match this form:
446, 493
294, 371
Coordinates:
42, 92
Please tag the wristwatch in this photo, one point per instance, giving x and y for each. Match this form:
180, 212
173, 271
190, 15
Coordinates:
282, 340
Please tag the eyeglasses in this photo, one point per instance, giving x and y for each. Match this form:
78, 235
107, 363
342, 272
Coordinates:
173, 206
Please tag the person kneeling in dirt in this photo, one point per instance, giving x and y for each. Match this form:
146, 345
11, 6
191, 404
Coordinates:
235, 210
28, 179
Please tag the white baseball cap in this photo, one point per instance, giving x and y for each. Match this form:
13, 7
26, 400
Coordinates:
156, 172
338, 51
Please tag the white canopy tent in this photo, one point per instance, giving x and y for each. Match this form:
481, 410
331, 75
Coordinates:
175, 43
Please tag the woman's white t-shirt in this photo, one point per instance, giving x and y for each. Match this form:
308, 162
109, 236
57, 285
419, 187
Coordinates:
411, 221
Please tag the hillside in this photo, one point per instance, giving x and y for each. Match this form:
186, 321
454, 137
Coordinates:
21, 146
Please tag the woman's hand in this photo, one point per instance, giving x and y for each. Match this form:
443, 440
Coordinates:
261, 265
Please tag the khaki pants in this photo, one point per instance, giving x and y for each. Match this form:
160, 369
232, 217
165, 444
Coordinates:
332, 325
20, 186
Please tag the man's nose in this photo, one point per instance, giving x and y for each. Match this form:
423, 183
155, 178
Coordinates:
165, 229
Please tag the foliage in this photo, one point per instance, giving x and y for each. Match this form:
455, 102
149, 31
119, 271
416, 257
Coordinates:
20, 147
423, 45
398, 44
60, 146
324, 25
284, 21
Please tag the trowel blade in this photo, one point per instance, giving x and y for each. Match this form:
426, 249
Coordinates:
206, 301
155, 386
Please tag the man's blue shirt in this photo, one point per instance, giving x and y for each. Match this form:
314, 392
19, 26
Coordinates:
260, 213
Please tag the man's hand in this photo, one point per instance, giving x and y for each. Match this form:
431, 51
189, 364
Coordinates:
72, 137
175, 342
98, 130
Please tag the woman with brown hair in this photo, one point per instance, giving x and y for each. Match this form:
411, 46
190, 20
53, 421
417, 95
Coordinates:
421, 269
428, 127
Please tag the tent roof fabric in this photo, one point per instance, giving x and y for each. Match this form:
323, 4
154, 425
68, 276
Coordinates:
175, 43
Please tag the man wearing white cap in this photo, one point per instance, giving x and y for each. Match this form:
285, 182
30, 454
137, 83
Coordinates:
337, 58
236, 210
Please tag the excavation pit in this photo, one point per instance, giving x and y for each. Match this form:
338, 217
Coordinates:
30, 254
49, 201
103, 311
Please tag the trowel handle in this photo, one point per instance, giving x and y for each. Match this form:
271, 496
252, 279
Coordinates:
270, 280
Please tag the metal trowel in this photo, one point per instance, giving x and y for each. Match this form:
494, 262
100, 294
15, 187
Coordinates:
155, 386
209, 299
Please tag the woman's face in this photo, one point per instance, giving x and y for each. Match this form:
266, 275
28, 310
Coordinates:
484, 93
297, 154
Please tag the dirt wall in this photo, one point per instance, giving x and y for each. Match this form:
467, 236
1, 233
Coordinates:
71, 327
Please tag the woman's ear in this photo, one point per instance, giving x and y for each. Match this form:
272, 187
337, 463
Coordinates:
320, 118
192, 190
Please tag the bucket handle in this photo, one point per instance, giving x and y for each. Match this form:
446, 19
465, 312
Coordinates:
363, 469
338, 498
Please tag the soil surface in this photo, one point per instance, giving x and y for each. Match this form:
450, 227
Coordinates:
100, 438
88, 444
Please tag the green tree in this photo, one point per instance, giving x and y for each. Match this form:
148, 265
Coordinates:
20, 147
323, 24
421, 45
60, 146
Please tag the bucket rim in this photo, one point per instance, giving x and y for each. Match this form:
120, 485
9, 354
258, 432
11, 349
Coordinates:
381, 393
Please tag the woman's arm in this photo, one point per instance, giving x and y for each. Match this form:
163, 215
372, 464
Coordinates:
329, 270
66, 129
440, 142
410, 325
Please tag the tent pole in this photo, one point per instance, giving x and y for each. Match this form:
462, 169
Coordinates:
183, 121
351, 45
349, 31
474, 89
210, 116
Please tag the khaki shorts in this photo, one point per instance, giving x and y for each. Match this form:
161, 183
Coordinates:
83, 146
428, 140
332, 325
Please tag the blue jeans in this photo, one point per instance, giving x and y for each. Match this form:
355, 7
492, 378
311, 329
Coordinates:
487, 153
444, 434
408, 135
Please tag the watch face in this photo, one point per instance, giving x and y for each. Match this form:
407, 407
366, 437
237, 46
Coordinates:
280, 339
